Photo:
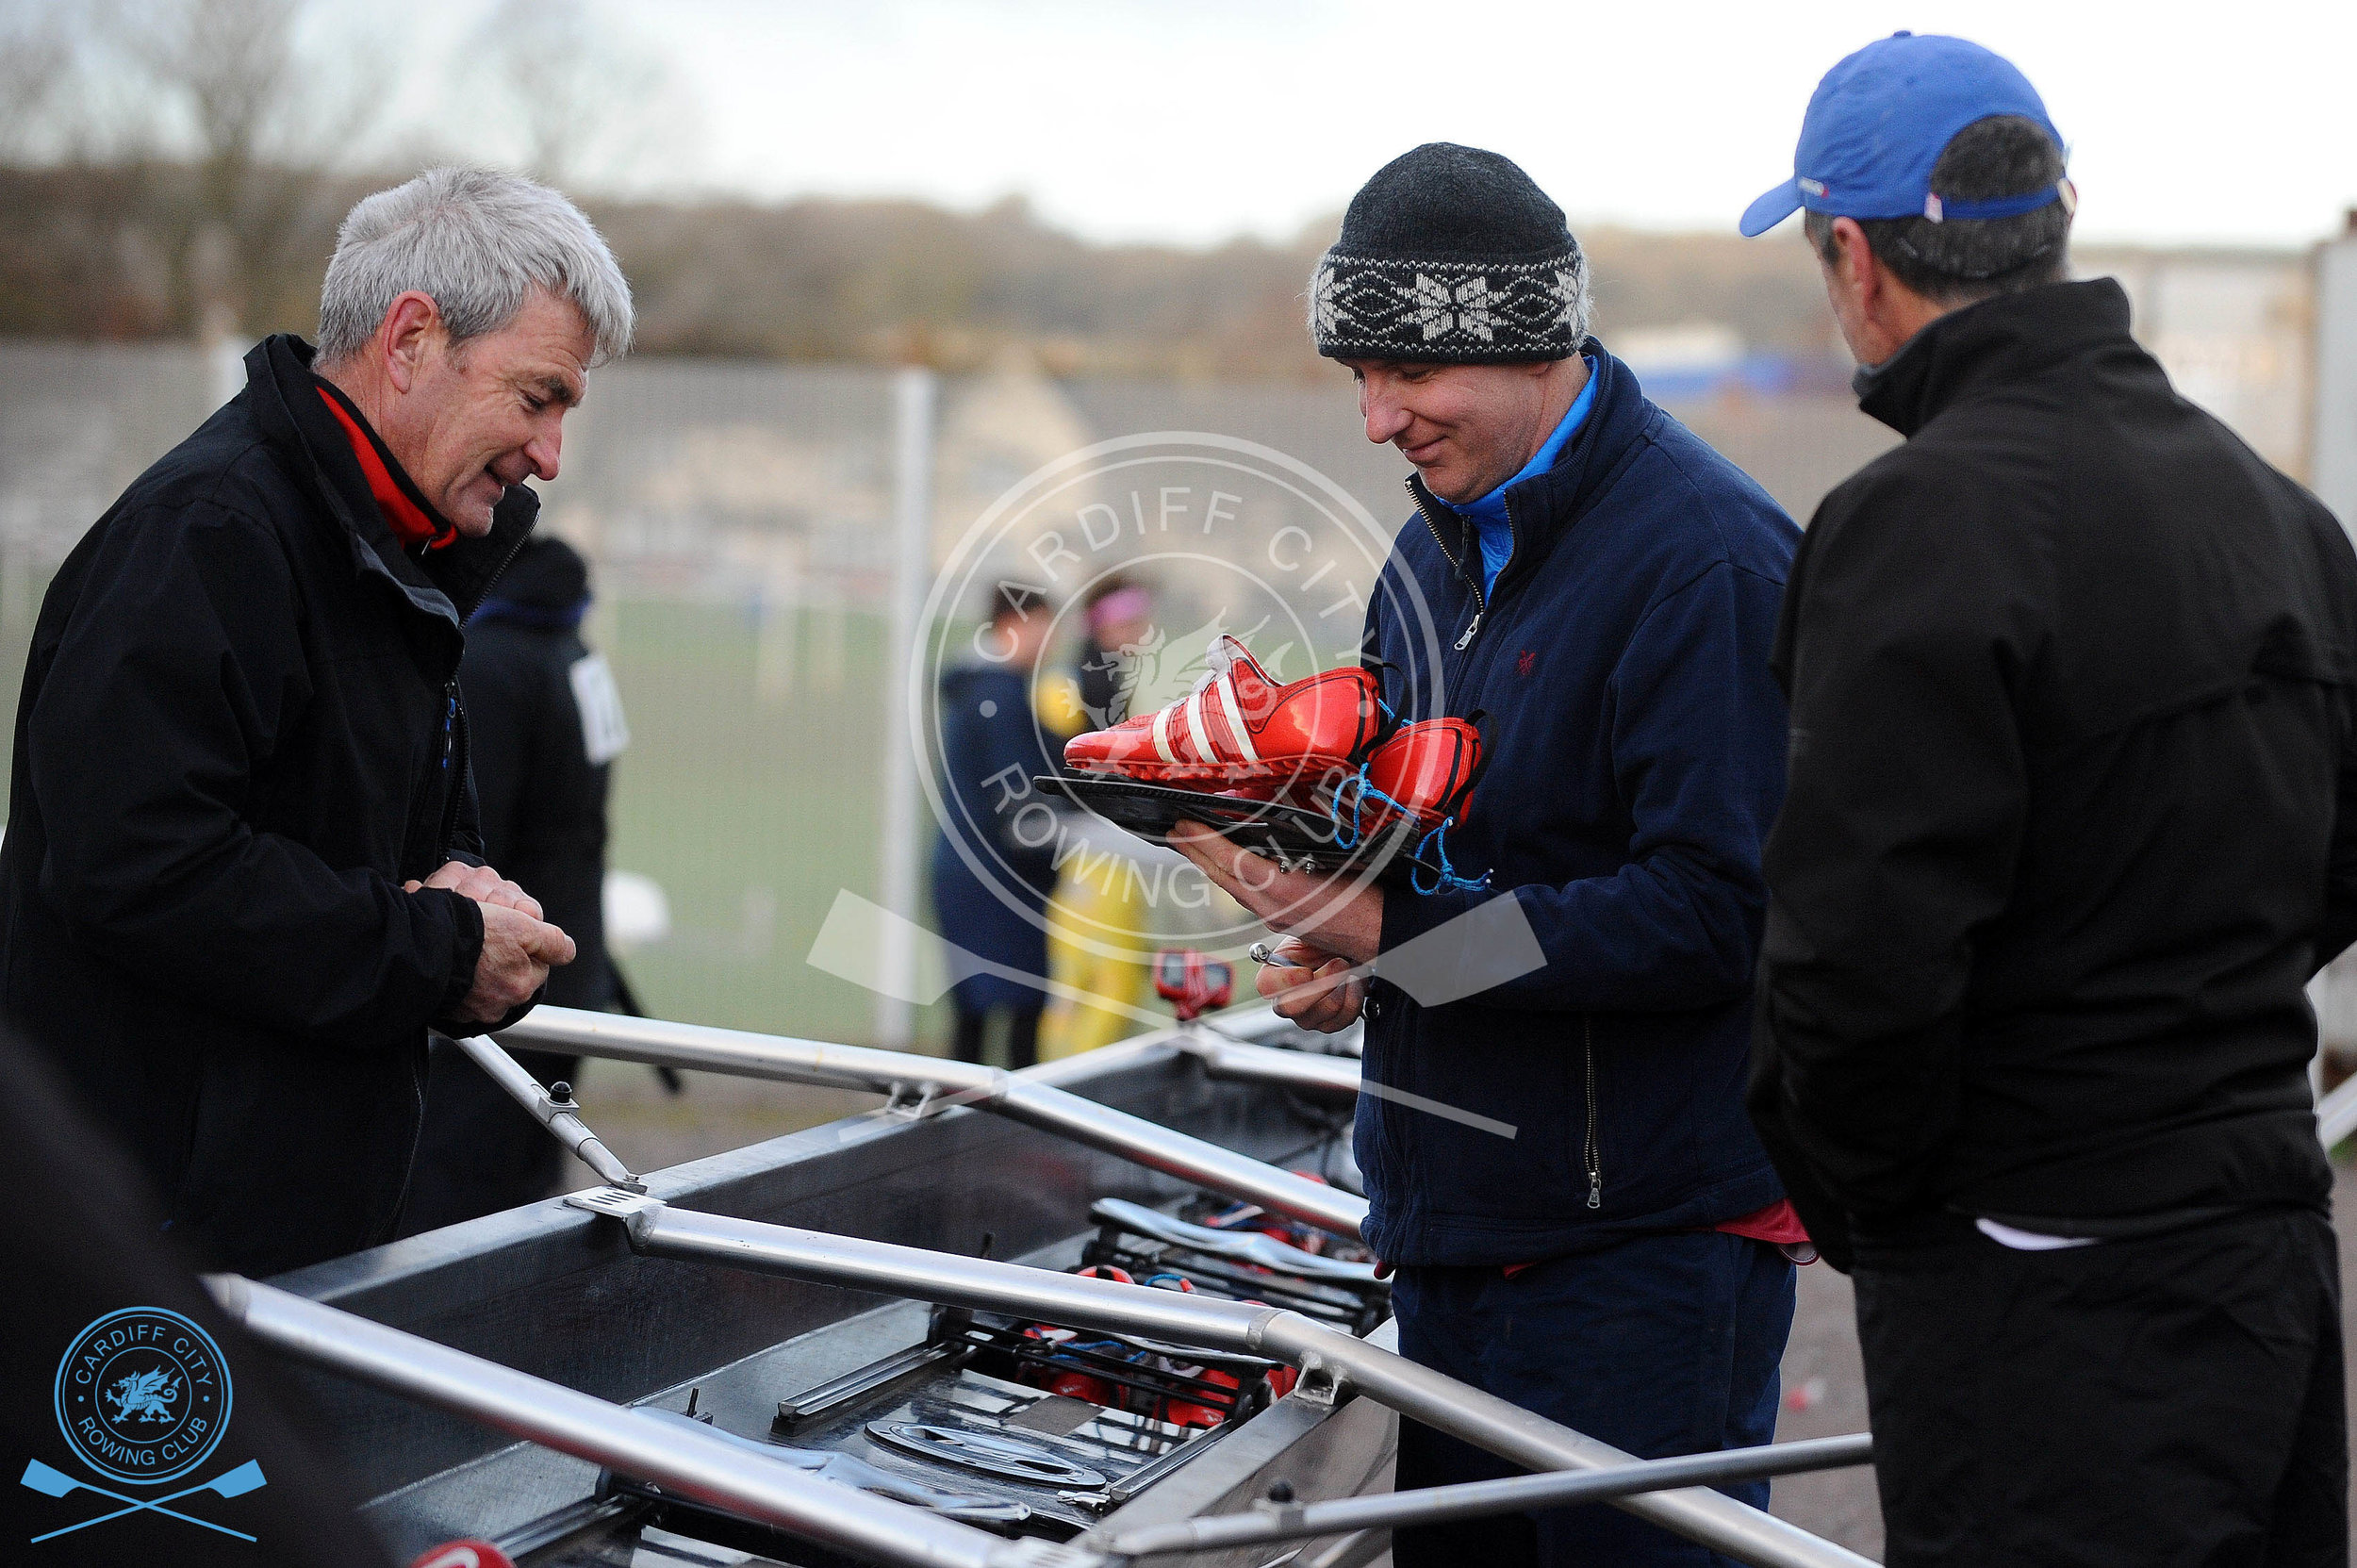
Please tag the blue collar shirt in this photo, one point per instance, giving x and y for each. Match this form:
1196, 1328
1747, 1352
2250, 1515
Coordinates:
1487, 513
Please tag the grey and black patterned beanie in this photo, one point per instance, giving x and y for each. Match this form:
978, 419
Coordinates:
1451, 254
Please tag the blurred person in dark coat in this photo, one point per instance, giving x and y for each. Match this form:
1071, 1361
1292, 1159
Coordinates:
993, 867
548, 724
241, 876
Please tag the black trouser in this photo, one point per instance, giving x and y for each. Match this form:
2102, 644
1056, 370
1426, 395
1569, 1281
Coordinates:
1661, 1344
2156, 1403
1022, 1034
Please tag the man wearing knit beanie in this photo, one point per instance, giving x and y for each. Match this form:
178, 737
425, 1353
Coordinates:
1604, 588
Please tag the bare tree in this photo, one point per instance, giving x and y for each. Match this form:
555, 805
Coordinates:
592, 105
262, 125
37, 50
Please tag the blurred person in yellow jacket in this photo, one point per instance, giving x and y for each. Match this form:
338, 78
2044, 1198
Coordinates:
1117, 615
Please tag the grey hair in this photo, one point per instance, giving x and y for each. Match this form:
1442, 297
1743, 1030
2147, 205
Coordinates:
478, 242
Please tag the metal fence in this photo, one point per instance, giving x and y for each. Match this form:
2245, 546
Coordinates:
738, 516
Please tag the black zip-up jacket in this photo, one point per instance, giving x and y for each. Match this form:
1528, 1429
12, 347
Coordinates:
2072, 813
1633, 742
239, 733
542, 799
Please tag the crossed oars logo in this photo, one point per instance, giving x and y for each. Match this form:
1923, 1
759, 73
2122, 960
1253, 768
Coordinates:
143, 1398
57, 1483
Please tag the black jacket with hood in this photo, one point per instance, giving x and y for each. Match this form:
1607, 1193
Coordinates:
239, 733
2071, 812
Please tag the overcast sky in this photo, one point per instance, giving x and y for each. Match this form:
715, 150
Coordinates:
1192, 123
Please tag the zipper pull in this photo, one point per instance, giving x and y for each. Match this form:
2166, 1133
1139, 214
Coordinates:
1471, 627
1595, 1189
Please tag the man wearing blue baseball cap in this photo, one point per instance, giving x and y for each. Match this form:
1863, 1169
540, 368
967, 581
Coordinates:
2071, 818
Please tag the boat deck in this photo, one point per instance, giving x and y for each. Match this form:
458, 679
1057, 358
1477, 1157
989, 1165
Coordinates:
556, 1292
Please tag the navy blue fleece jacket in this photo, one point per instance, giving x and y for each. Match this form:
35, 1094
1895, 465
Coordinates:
1635, 741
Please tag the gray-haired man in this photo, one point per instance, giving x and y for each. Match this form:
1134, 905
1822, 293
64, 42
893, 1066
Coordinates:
240, 879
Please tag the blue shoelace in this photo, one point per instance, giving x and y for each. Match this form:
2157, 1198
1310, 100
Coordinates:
1447, 877
1436, 841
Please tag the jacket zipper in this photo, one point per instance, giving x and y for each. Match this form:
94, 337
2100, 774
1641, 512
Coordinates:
514, 549
454, 714
1593, 1151
1481, 606
451, 779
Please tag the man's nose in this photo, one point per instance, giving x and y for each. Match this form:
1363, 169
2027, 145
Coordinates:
544, 450
1385, 418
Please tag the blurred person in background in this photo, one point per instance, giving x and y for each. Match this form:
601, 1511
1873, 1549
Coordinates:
2072, 818
547, 723
993, 744
242, 876
1099, 904
1604, 588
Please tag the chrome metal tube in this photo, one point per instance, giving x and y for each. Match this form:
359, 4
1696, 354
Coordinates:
1327, 1358
1268, 1523
1206, 1164
1067, 1301
705, 1467
1508, 1431
560, 1119
2336, 1113
1041, 1105
1328, 1077
661, 1043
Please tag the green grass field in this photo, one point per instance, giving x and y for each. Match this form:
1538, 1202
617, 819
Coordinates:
750, 810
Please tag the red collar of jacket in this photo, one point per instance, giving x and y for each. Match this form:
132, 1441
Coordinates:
406, 514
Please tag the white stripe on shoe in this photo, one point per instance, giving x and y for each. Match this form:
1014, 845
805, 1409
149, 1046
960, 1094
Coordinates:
1235, 716
1197, 733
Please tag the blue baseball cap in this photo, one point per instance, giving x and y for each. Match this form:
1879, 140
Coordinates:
1878, 123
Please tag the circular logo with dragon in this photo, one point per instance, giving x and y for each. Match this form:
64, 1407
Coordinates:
142, 1395
1144, 585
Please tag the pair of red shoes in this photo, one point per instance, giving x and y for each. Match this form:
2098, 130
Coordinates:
1324, 742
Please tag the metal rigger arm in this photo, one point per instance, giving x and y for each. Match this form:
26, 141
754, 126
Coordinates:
1330, 1361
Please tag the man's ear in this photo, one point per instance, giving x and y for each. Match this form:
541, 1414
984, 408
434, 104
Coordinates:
1860, 274
412, 325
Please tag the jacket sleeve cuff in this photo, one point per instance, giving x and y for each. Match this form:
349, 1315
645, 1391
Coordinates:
1407, 915
466, 951
1432, 965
